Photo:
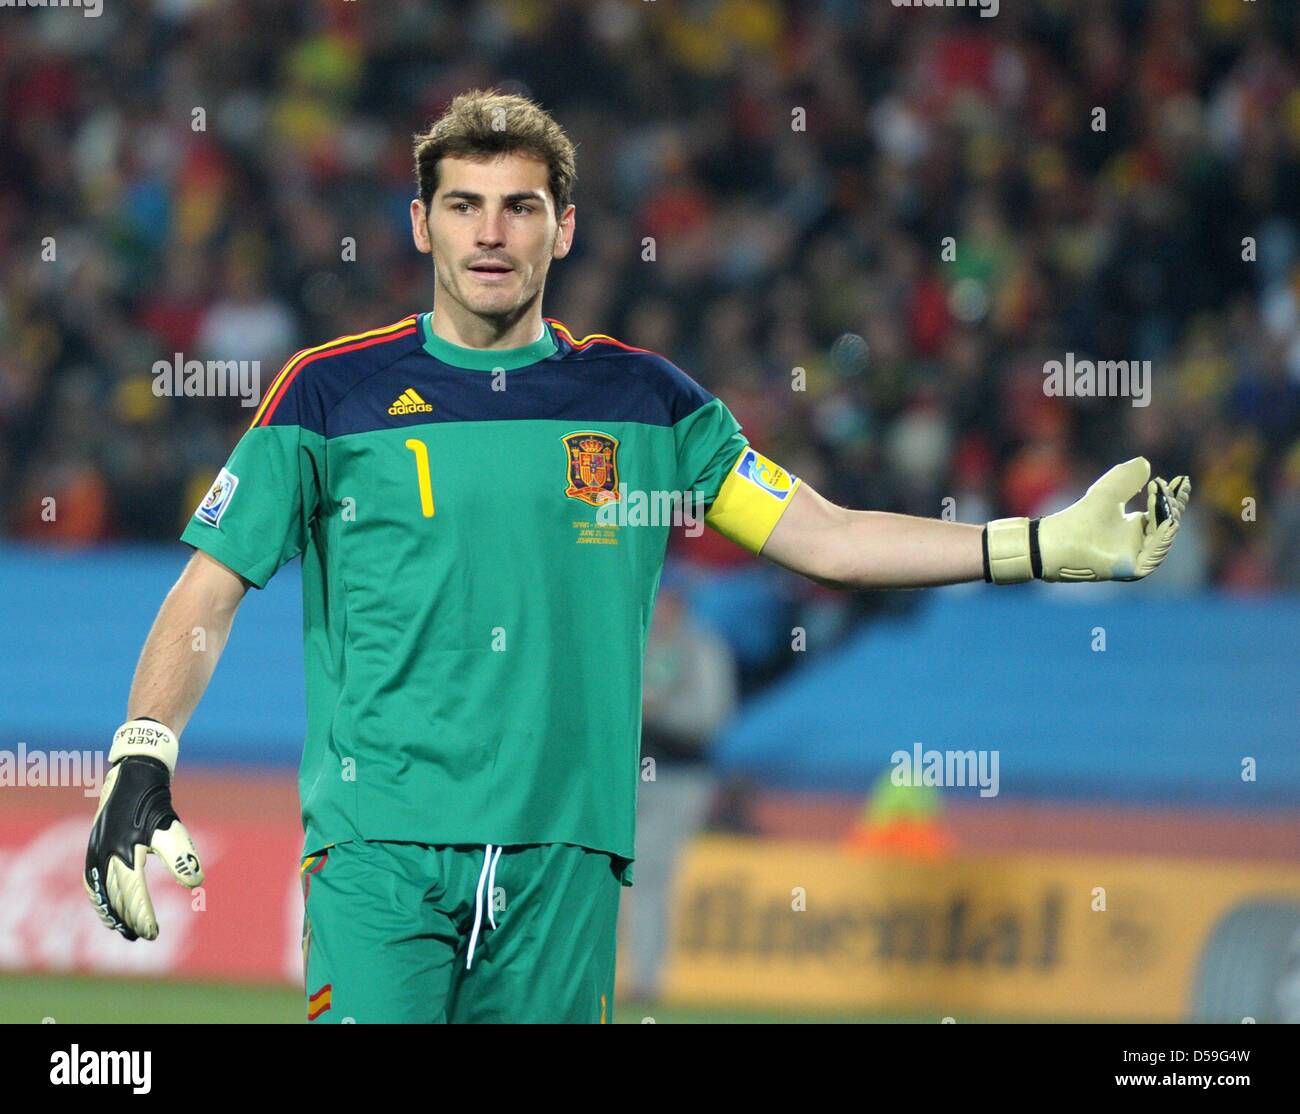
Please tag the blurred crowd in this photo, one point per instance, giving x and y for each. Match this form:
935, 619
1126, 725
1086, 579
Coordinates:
180, 176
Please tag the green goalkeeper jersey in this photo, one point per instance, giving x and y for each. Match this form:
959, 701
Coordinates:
476, 601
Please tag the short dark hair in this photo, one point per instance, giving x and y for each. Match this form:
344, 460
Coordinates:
484, 123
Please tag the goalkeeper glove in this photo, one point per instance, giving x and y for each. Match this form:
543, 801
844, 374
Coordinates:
1093, 539
135, 816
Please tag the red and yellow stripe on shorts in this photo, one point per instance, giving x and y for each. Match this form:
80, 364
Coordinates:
319, 1002
310, 865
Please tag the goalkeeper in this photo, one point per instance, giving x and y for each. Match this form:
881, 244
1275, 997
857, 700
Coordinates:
474, 629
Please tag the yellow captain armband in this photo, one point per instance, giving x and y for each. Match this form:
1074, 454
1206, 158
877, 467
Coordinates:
752, 499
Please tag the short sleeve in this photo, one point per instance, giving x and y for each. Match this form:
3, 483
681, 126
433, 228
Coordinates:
257, 514
708, 443
745, 493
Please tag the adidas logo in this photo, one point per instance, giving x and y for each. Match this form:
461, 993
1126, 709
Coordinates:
410, 403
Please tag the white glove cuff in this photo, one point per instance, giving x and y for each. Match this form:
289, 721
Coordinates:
148, 738
1007, 551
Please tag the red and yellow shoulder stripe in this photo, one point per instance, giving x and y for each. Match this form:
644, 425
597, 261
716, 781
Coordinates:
299, 360
591, 338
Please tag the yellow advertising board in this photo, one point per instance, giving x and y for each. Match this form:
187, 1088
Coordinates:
775, 923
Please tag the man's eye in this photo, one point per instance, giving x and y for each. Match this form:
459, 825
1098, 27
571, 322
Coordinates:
521, 205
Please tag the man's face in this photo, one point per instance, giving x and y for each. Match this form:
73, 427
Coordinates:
492, 230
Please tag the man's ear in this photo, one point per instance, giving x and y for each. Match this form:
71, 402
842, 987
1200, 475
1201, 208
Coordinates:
420, 226
560, 248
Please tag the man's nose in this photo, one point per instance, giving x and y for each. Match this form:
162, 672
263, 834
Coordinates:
491, 230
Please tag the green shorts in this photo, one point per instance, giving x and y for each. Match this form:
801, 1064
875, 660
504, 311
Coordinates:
406, 932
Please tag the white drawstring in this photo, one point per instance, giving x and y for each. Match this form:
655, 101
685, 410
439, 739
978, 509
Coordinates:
492, 882
487, 874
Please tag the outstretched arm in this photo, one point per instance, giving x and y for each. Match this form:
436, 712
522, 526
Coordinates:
872, 549
1093, 539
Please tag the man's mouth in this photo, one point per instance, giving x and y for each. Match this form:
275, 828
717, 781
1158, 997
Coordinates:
491, 268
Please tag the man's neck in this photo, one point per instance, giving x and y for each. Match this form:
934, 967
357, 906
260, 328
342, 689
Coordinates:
468, 330
485, 359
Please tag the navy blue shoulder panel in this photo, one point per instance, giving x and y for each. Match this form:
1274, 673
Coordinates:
597, 382
661, 378
316, 382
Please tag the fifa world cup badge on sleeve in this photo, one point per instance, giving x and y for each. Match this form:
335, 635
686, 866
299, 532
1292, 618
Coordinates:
218, 498
765, 474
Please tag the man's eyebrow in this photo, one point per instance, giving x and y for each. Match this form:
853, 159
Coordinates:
509, 199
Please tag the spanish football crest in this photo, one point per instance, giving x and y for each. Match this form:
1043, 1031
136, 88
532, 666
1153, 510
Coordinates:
593, 467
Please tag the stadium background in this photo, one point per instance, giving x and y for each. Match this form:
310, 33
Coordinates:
777, 245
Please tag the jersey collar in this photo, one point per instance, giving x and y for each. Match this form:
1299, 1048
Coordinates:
486, 359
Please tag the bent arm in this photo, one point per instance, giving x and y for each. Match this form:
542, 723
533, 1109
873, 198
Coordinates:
185, 642
872, 549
